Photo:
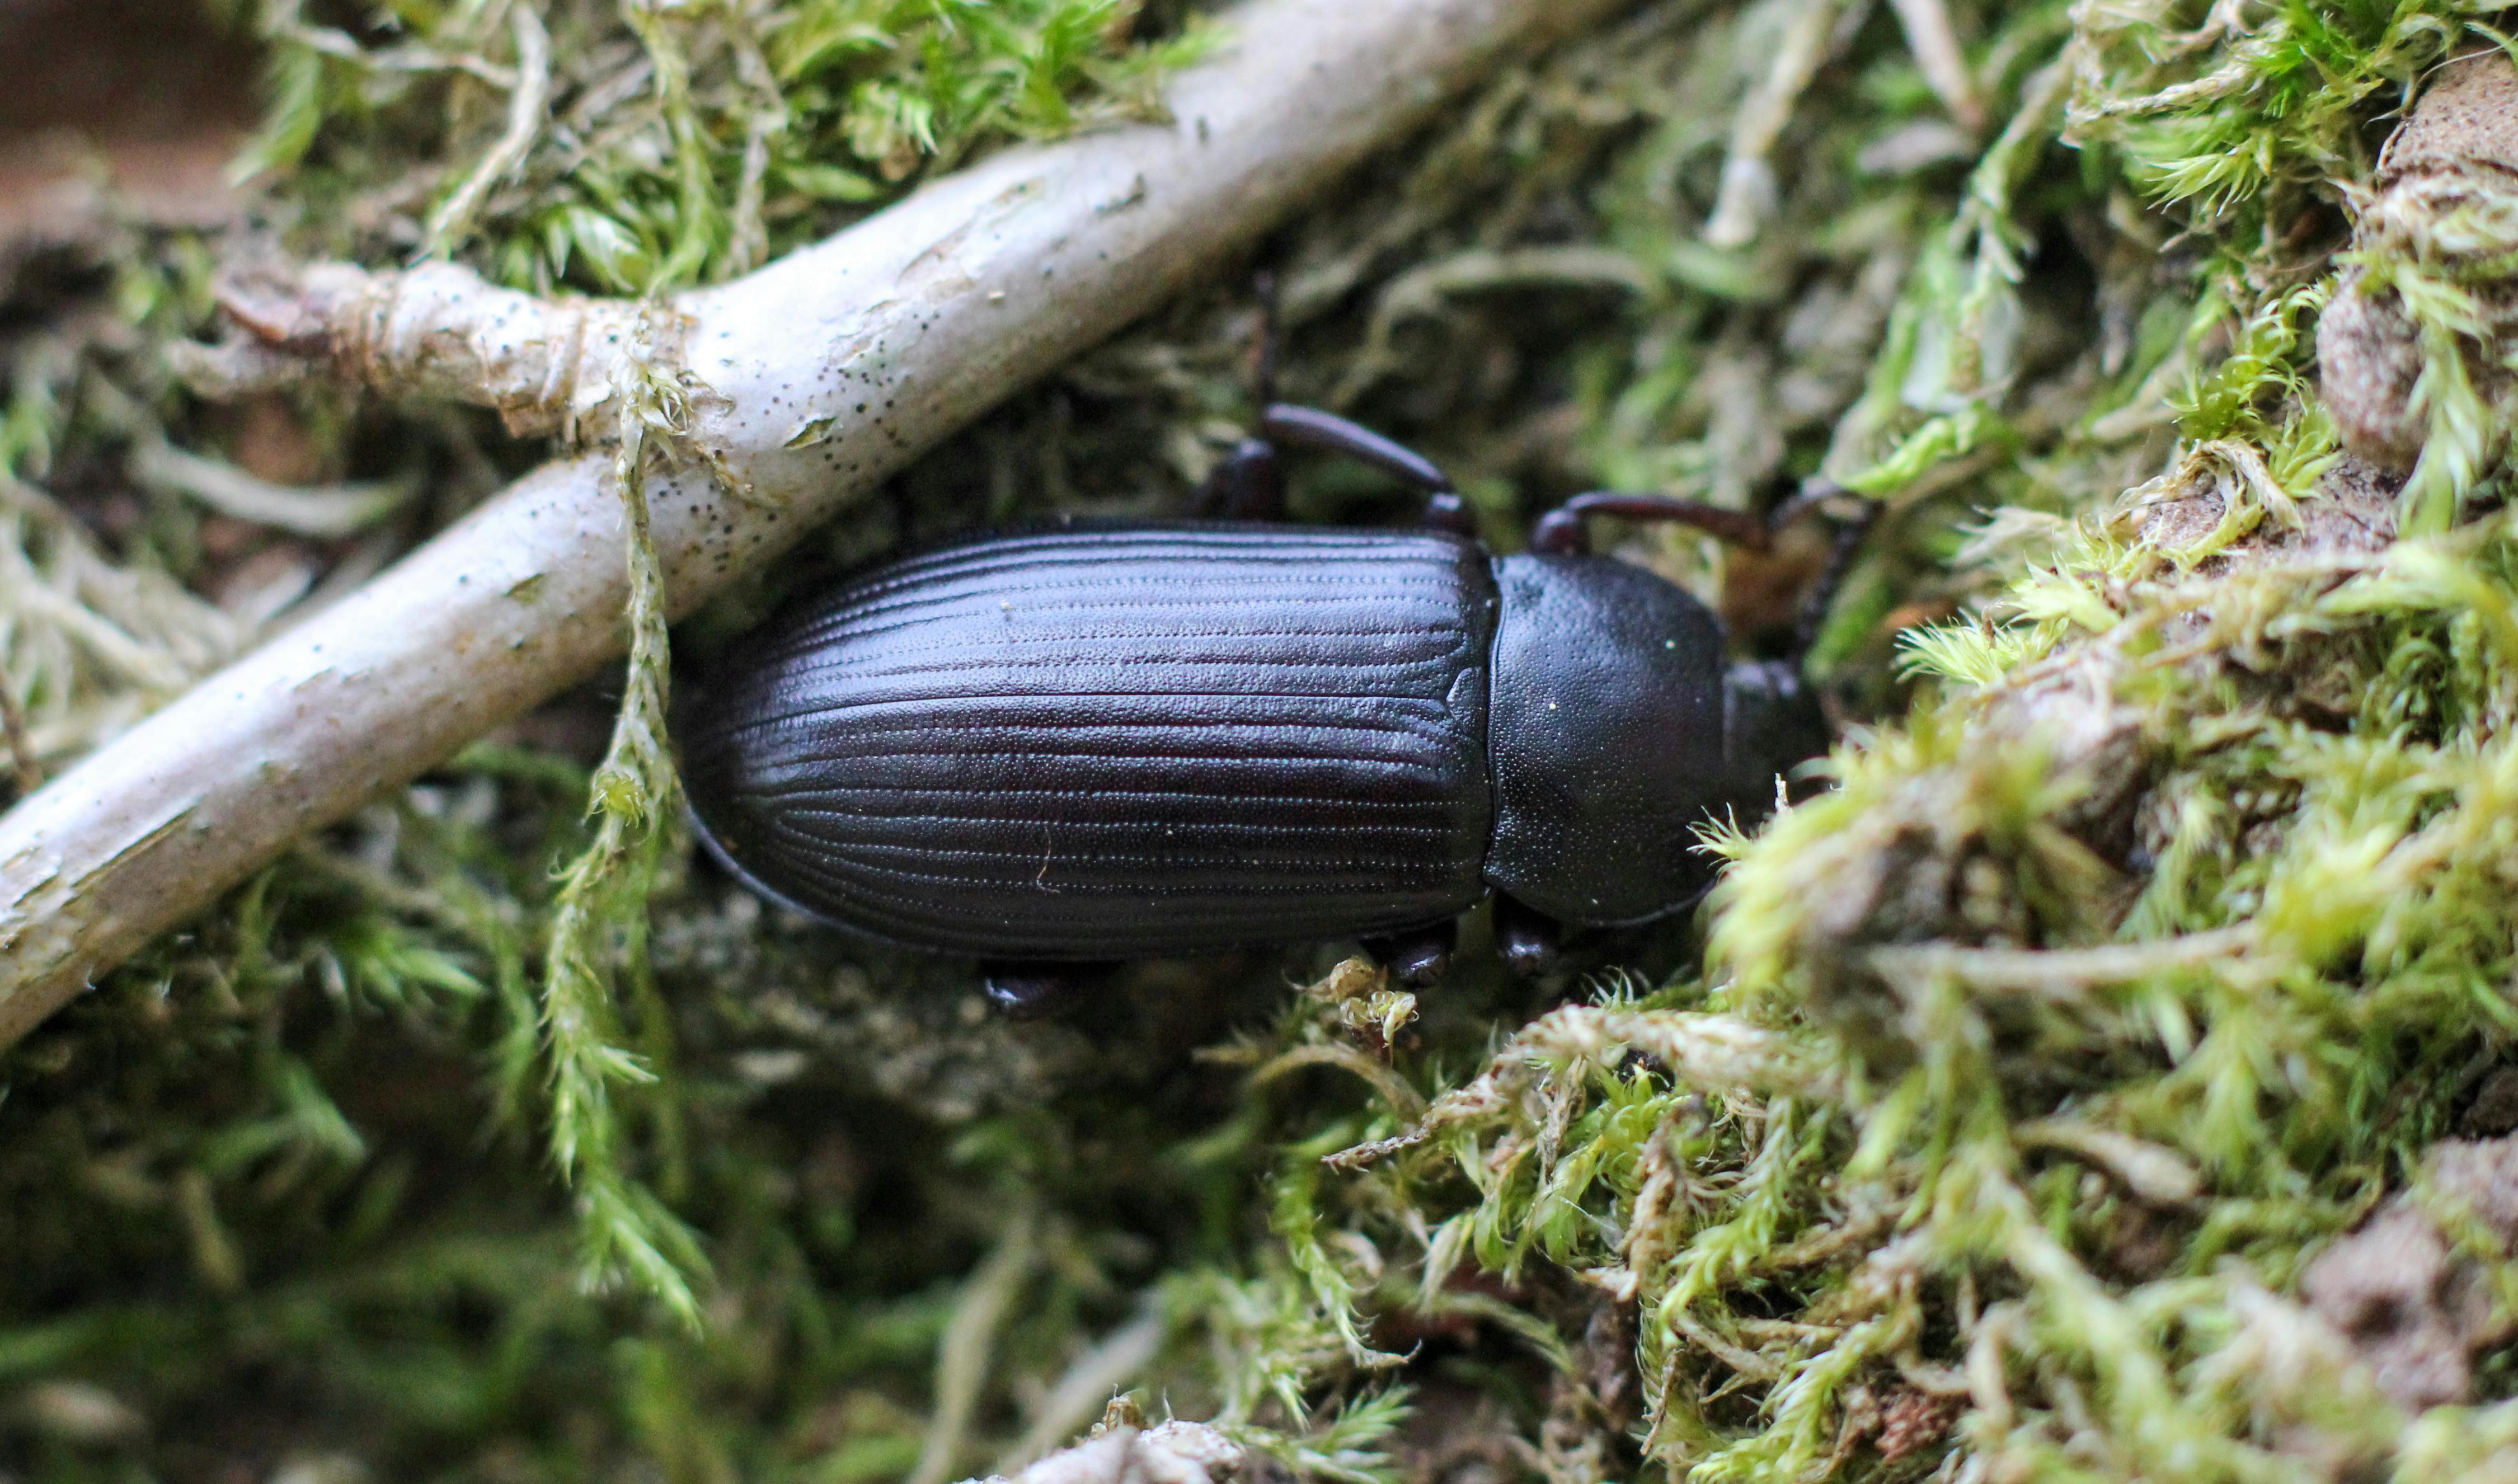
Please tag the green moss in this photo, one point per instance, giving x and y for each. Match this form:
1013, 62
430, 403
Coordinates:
677, 144
2092, 1094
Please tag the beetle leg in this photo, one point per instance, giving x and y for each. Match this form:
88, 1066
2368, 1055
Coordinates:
1285, 424
1530, 940
1562, 531
1417, 956
1263, 351
1308, 428
1249, 482
1021, 991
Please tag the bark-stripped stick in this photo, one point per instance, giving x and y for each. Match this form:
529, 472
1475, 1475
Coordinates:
1927, 23
827, 370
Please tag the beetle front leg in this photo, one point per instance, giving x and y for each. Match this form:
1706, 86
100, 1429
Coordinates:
1249, 482
1562, 531
1416, 957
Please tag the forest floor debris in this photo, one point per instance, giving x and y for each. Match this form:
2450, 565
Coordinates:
2097, 1084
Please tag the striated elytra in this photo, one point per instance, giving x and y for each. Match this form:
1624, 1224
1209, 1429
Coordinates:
1116, 744
1099, 744
1095, 743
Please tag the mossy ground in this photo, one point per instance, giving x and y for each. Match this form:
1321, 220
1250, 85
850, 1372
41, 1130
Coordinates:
1998, 1178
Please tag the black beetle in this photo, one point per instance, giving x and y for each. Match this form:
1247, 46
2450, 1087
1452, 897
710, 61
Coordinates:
1091, 743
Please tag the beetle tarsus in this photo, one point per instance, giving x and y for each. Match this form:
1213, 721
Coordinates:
1446, 510
1418, 957
1816, 493
1032, 991
1530, 941
1247, 484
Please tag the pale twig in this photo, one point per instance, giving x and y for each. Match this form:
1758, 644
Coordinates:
1127, 1452
962, 1359
431, 331
1087, 1385
1747, 190
320, 511
1927, 23
527, 102
829, 371
24, 768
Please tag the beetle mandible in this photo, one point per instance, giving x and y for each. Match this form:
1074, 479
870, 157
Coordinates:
1099, 742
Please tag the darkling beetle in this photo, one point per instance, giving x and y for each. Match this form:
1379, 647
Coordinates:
1057, 749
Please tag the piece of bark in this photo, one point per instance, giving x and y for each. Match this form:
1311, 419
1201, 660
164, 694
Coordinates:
133, 116
2415, 1307
1167, 1453
824, 373
2467, 119
1914, 868
2458, 148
